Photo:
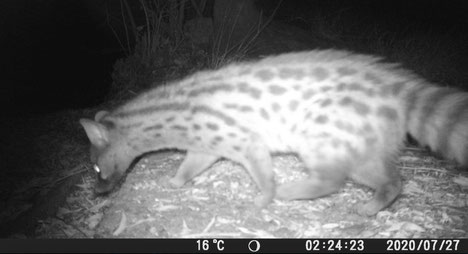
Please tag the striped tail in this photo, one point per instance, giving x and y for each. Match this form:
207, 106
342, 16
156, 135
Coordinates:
437, 117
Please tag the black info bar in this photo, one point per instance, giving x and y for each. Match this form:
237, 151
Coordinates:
233, 245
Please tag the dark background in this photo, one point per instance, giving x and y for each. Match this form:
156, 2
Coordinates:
59, 55
57, 63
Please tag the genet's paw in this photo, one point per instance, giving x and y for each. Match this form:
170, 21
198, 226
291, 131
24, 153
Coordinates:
175, 182
264, 200
367, 209
284, 191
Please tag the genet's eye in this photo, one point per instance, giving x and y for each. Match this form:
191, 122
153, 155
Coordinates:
96, 168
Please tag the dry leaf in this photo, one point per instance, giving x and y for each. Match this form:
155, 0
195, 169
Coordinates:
122, 225
412, 187
256, 233
185, 229
98, 207
94, 220
461, 180
409, 226
163, 208
63, 211
330, 225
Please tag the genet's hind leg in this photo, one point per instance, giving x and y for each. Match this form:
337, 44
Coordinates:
383, 176
259, 165
193, 164
323, 179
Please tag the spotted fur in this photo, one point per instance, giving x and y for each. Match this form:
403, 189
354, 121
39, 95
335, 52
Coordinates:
345, 115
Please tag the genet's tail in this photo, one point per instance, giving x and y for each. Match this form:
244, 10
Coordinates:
437, 117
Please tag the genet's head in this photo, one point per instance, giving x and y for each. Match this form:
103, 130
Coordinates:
109, 153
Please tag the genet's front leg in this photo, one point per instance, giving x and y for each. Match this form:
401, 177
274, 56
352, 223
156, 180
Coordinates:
193, 164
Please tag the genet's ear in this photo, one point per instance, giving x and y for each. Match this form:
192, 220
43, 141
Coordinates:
97, 133
100, 115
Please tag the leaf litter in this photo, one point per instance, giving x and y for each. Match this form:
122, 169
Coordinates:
219, 203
